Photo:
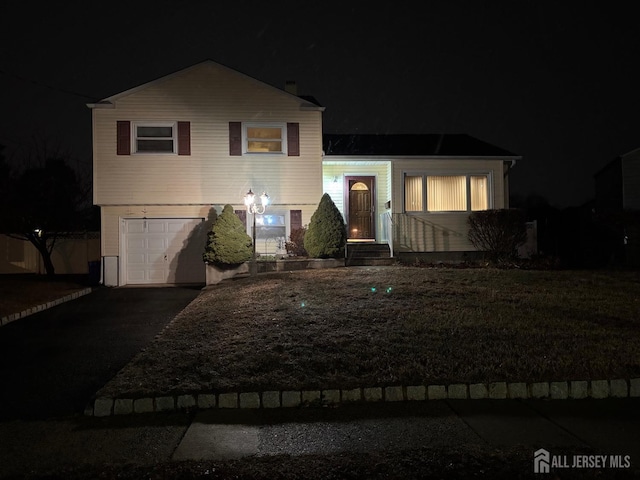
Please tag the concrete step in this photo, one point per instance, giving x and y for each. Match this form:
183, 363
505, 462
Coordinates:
369, 261
368, 250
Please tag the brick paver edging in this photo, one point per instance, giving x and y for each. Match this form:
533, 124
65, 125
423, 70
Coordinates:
30, 311
576, 389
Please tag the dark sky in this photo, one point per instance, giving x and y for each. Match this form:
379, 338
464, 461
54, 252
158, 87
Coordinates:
556, 83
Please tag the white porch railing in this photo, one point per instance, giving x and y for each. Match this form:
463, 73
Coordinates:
387, 230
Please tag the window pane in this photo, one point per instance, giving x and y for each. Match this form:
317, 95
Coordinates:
447, 193
264, 132
479, 193
155, 146
412, 194
359, 186
155, 132
257, 146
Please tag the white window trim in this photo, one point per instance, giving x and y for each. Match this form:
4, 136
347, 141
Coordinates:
245, 139
134, 136
466, 174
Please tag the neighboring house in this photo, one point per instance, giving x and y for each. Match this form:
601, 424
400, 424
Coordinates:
167, 152
617, 205
617, 184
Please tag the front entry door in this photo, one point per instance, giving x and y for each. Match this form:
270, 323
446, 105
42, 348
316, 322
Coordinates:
360, 209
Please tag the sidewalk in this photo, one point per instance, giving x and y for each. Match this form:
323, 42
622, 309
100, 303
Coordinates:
81, 447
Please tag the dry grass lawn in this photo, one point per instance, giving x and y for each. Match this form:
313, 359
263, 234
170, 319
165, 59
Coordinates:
370, 326
22, 291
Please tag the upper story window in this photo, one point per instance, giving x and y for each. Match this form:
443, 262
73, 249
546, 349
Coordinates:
155, 137
446, 193
264, 138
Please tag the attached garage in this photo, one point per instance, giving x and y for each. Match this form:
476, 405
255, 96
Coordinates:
163, 251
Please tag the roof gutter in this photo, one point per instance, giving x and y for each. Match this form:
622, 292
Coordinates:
101, 104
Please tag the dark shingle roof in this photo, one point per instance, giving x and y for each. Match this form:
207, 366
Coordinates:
410, 145
311, 99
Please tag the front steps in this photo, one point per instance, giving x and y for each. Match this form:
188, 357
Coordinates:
368, 254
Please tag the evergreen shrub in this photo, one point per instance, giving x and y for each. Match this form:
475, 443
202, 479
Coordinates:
326, 234
227, 242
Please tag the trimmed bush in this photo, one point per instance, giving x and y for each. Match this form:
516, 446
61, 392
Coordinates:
498, 232
295, 245
228, 243
326, 235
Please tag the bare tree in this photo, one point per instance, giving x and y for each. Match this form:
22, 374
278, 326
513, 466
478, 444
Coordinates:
43, 199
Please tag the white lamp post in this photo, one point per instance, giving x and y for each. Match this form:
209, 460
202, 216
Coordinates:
253, 209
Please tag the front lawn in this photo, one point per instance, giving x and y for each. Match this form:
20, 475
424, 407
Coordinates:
379, 326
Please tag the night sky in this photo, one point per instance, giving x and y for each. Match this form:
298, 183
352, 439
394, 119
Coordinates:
555, 83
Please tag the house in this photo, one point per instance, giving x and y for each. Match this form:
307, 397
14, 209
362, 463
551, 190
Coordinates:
168, 152
617, 205
617, 184
415, 192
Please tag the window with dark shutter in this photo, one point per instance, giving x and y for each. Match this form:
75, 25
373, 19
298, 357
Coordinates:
235, 138
293, 139
295, 219
184, 138
123, 138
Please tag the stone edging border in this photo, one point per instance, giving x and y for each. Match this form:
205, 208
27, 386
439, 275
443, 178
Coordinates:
575, 389
30, 311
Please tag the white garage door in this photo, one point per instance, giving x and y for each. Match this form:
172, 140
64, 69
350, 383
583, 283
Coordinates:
164, 250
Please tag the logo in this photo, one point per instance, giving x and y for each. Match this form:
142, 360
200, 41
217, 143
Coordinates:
541, 461
544, 462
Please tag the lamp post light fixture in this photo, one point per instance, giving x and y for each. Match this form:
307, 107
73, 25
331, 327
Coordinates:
254, 209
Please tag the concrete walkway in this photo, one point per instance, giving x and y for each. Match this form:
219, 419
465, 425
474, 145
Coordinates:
606, 426
602, 427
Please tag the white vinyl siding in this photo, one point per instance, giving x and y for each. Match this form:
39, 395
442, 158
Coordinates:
113, 216
422, 230
209, 97
336, 168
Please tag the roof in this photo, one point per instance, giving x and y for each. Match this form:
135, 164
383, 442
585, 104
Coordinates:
456, 145
614, 163
310, 102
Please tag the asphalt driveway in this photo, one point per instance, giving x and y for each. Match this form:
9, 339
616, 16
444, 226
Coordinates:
53, 362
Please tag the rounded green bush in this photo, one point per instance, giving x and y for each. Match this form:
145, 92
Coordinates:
326, 234
228, 243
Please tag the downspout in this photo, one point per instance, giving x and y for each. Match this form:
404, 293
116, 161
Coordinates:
509, 165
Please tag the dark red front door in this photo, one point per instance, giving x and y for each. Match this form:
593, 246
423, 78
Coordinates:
360, 208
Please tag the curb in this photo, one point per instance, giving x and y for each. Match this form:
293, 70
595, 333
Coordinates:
30, 311
563, 390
